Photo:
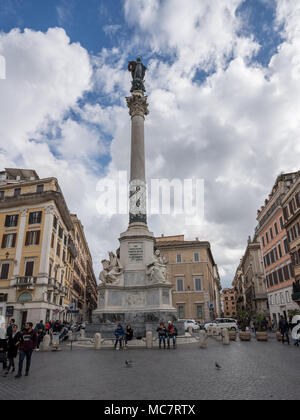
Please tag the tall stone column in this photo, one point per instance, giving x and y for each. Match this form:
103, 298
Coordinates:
138, 108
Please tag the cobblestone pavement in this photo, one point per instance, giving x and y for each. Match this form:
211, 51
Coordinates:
254, 370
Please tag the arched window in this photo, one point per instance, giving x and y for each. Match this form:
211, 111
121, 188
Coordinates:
25, 297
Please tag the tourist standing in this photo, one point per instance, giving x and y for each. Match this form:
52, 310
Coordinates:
119, 334
10, 327
162, 332
40, 330
284, 329
13, 346
47, 327
28, 343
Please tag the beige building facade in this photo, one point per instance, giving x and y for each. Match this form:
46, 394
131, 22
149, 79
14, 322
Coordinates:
37, 252
194, 276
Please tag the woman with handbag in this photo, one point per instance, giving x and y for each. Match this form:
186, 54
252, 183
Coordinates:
13, 347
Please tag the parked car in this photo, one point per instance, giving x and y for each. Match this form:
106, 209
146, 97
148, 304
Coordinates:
191, 323
229, 323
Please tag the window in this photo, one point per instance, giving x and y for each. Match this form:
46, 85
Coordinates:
281, 298
4, 272
286, 246
9, 241
29, 268
199, 312
198, 284
276, 228
58, 249
267, 237
271, 233
32, 237
60, 232
11, 220
279, 251
17, 191
25, 297
263, 241
180, 312
1, 195
40, 188
179, 283
55, 222
287, 296
178, 258
196, 257
52, 241
281, 222
35, 217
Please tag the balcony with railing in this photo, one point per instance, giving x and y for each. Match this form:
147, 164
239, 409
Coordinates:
25, 282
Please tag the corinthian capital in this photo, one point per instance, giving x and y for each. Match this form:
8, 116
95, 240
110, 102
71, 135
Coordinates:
137, 105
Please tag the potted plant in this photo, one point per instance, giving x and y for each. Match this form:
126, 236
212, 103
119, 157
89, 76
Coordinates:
261, 333
245, 335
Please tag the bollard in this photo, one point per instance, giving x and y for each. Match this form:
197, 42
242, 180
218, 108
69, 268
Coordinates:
82, 333
97, 341
55, 341
219, 334
203, 337
225, 334
46, 343
70, 335
190, 330
209, 331
149, 340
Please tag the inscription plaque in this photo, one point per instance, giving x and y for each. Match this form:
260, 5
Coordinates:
135, 253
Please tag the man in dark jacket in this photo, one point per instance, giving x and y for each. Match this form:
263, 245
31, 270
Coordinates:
10, 328
284, 329
28, 342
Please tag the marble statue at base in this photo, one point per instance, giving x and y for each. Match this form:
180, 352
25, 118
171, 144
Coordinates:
112, 272
157, 270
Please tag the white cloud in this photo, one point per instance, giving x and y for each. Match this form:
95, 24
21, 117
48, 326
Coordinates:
237, 130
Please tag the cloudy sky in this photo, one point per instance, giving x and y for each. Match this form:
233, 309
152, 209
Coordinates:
223, 83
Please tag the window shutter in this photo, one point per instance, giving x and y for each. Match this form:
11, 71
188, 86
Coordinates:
4, 271
4, 241
14, 240
29, 269
27, 238
38, 234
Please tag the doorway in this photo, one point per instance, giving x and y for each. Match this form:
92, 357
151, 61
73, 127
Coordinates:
23, 318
